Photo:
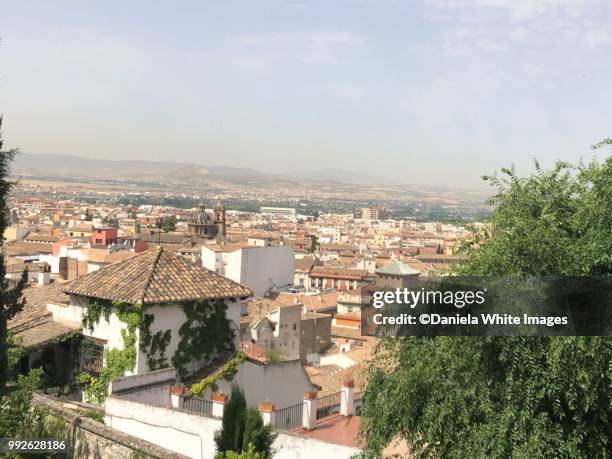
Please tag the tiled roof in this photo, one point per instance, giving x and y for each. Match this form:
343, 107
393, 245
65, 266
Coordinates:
156, 276
45, 333
397, 268
319, 302
13, 248
37, 237
35, 310
339, 272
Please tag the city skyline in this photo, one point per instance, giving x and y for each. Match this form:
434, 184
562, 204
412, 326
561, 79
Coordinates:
431, 92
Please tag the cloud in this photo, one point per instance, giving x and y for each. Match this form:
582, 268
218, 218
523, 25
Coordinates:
471, 27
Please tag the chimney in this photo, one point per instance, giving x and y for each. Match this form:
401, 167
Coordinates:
44, 274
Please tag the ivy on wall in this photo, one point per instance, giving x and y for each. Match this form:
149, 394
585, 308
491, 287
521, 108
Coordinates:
116, 361
228, 372
206, 332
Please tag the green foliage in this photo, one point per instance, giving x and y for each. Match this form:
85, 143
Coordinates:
110, 222
95, 415
206, 332
250, 453
517, 397
314, 243
19, 419
243, 433
273, 355
556, 222
169, 223
231, 435
258, 435
11, 299
116, 361
15, 351
154, 345
228, 372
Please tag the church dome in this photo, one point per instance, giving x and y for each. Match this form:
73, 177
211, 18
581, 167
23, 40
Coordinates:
200, 217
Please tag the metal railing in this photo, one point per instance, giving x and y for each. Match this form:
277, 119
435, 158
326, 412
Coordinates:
289, 418
357, 403
198, 405
328, 406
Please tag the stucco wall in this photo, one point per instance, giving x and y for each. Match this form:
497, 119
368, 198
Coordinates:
282, 383
166, 317
187, 434
193, 435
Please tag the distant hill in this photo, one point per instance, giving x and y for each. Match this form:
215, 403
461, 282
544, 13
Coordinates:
194, 176
338, 175
34, 164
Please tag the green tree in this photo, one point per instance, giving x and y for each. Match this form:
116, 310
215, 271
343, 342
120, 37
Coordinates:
250, 453
169, 223
314, 243
257, 435
11, 299
243, 430
20, 419
231, 435
517, 397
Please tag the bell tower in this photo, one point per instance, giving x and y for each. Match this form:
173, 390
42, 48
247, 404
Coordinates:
219, 214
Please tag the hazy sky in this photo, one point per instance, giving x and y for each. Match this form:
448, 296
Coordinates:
438, 91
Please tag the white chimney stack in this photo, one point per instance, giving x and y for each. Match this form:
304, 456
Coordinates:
44, 274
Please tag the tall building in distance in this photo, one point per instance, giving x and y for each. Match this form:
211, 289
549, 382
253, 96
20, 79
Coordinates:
219, 215
378, 212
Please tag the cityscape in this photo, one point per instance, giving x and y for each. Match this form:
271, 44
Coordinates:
295, 229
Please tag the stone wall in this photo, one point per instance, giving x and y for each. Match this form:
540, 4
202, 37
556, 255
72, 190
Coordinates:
92, 439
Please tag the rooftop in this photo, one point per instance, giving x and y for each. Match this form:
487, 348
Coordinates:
156, 276
397, 268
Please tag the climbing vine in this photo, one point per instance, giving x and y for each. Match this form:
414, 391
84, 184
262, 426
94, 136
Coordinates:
116, 361
206, 332
228, 372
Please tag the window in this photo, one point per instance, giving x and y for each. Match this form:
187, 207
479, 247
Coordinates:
91, 356
294, 326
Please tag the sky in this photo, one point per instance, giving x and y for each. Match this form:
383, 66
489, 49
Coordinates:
430, 92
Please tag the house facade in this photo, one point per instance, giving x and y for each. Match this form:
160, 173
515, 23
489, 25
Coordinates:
167, 292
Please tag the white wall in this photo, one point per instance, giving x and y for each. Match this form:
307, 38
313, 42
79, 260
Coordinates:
259, 268
169, 317
291, 446
187, 434
282, 383
173, 317
52, 260
193, 435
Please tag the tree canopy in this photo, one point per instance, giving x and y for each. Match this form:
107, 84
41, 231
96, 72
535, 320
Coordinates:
11, 299
458, 397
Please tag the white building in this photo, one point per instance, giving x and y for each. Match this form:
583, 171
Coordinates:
161, 284
262, 269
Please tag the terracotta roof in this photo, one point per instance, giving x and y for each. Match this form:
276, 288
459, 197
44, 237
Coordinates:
156, 276
23, 248
35, 310
318, 302
339, 272
37, 237
45, 333
305, 264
